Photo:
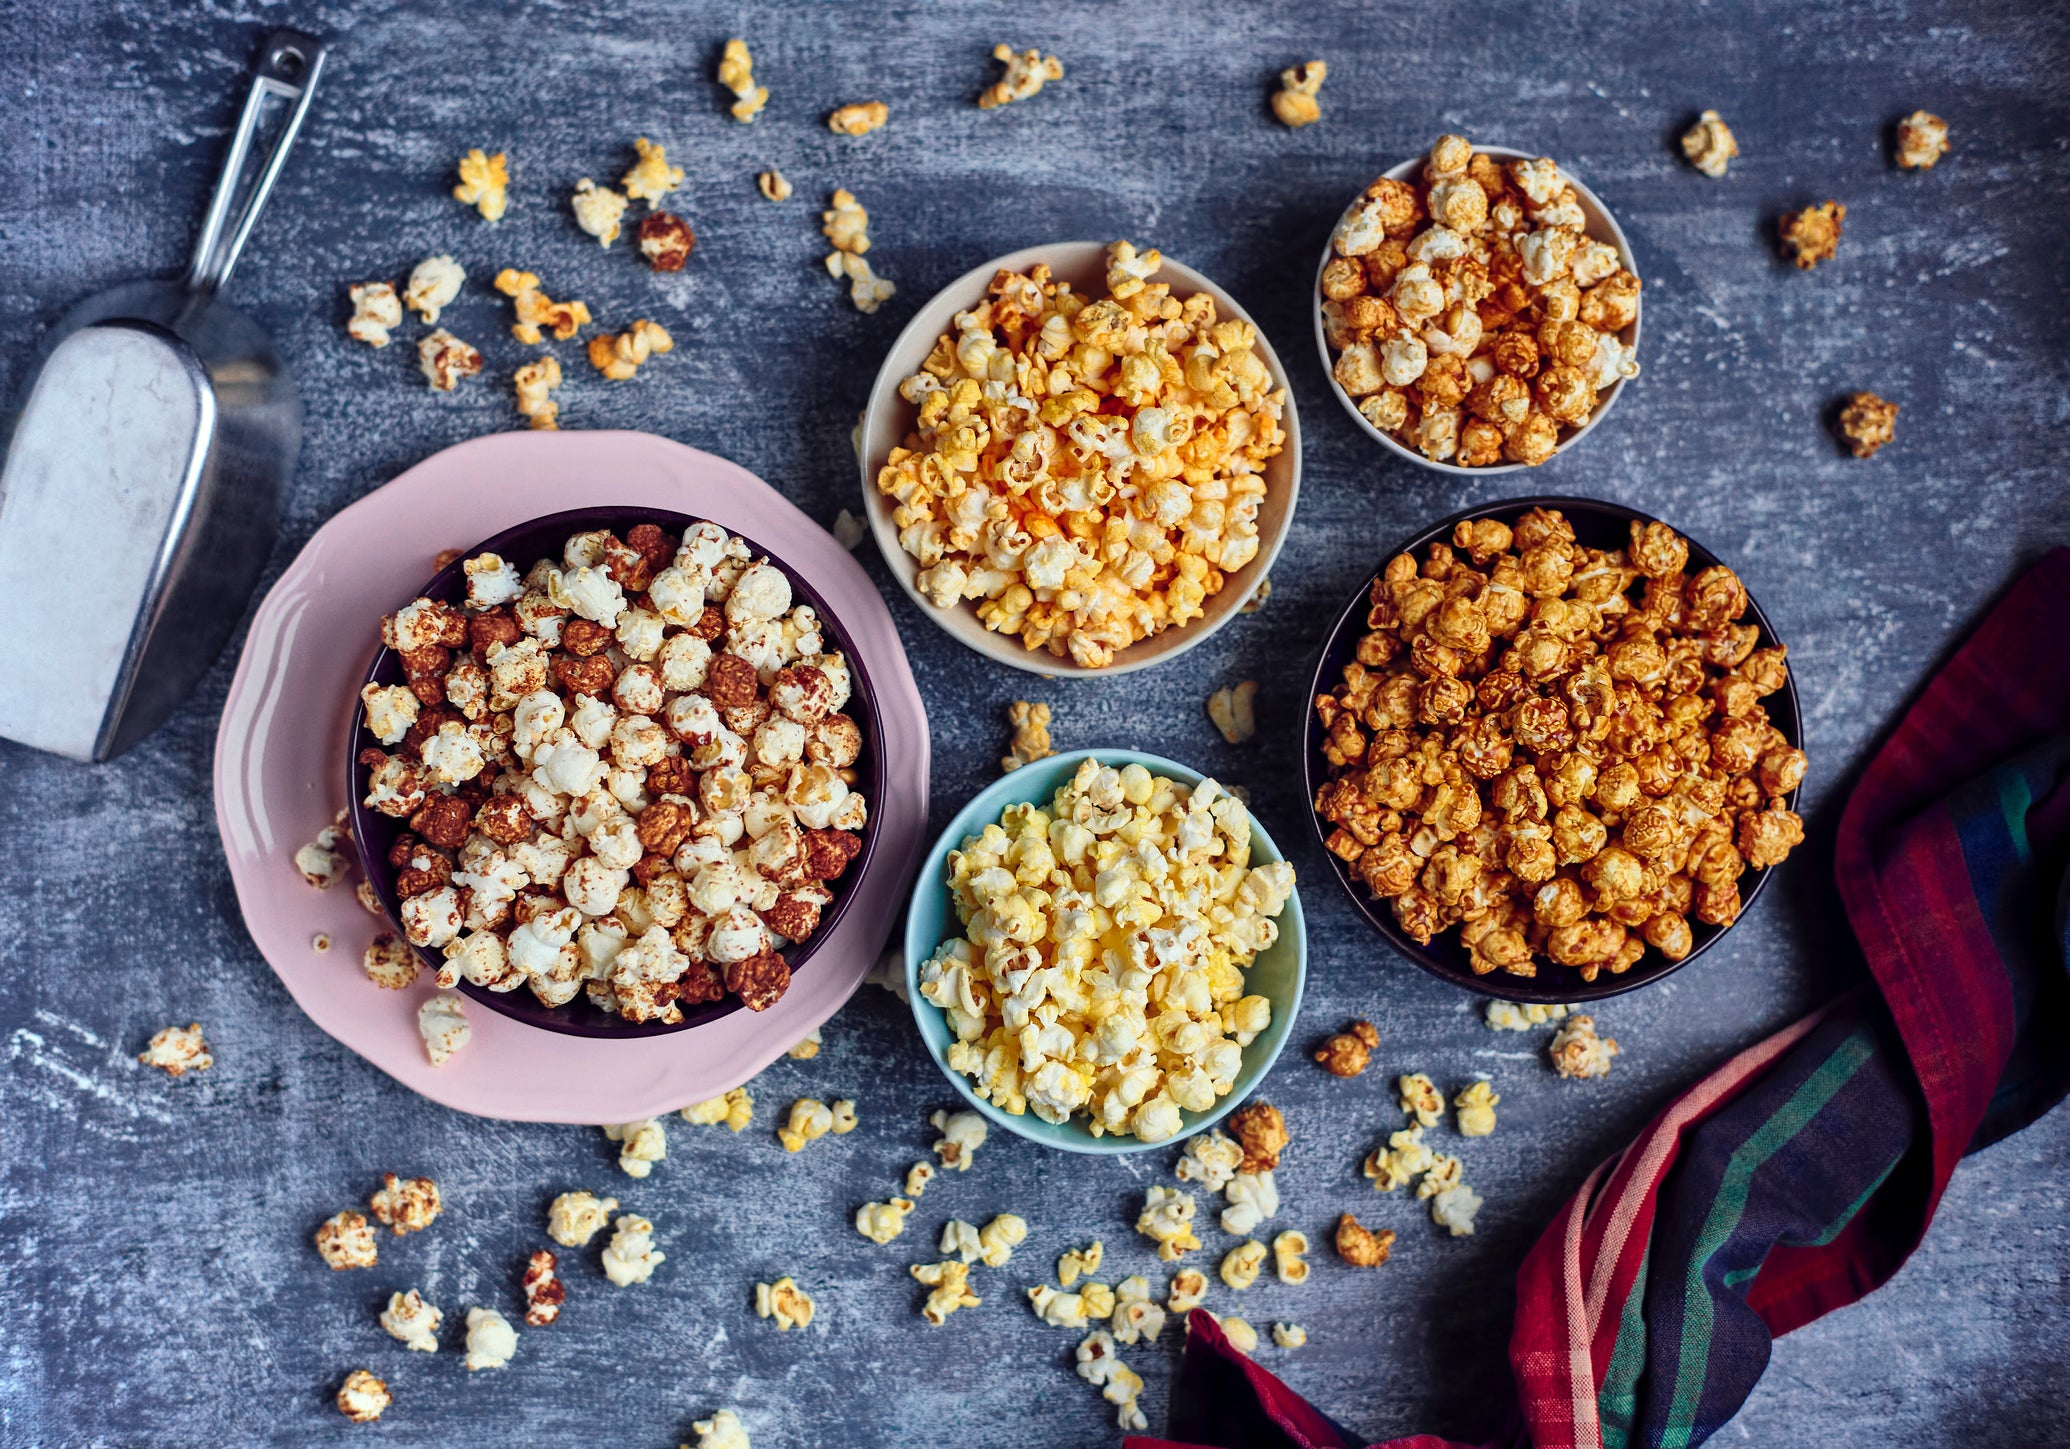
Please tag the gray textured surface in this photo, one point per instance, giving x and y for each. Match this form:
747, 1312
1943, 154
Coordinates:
154, 1234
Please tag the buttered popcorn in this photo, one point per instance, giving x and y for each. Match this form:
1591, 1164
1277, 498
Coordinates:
1102, 967
1085, 470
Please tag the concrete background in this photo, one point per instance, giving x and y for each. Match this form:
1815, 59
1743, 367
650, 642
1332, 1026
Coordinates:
154, 1235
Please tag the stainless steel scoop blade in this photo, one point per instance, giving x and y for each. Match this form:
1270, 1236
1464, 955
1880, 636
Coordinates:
140, 492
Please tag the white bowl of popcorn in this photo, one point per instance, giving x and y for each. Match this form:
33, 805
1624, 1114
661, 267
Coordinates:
1032, 388
1477, 313
1061, 974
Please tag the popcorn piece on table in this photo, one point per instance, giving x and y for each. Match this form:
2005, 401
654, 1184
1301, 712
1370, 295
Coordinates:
362, 1397
866, 289
1577, 1051
963, 1133
1454, 1209
806, 1049
532, 383
1167, 1220
1475, 1109
536, 312
809, 1120
405, 1207
620, 358
845, 1120
1866, 423
666, 241
1289, 1257
573, 1218
961, 1239
1709, 144
1922, 139
491, 1341
1120, 1385
1294, 102
484, 183
441, 1022
409, 1318
773, 186
737, 74
1079, 1263
1521, 1016
651, 177
598, 210
434, 283
178, 1050
631, 1257
1258, 599
375, 309
1289, 1335
641, 1145
1232, 711
723, 1430
848, 530
1027, 72
880, 1222
1030, 742
858, 119
1812, 235
1262, 1132
1098, 1299
1242, 1337
1242, 1264
1359, 1245
1189, 1287
917, 1177
544, 1291
345, 1241
784, 1301
1211, 1159
889, 974
998, 1238
1136, 1317
1057, 1308
1253, 1197
949, 1290
444, 359
1404, 1156
1346, 1053
735, 1110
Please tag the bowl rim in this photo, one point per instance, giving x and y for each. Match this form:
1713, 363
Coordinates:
1074, 1136
1544, 989
1007, 649
1604, 402
366, 823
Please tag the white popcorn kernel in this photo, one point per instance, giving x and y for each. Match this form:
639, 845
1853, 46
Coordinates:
642, 1144
434, 283
491, 1341
442, 1023
631, 1257
573, 1218
409, 1318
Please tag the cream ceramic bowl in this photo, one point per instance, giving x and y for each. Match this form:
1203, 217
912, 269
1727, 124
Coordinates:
889, 419
1602, 226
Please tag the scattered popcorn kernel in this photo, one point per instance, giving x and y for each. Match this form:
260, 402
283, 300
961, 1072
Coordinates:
773, 186
369, 900
1294, 102
345, 1241
1027, 72
1812, 235
1258, 599
917, 1177
1441, 1176
1475, 1106
1030, 741
443, 1024
620, 358
960, 1238
177, 1051
1242, 1337
1230, 708
1454, 1209
1210, 1160
362, 1397
444, 359
1098, 1299
544, 1291
1522, 1016
434, 283
409, 1318
1709, 144
848, 530
1079, 1263
1241, 1264
536, 312
666, 241
532, 383
320, 942
1394, 1165
949, 1285
806, 1050
1866, 424
722, 1430
491, 1341
1167, 1220
880, 1222
784, 1301
651, 177
325, 860
1188, 1287
1057, 1308
1263, 1133
484, 183
998, 1238
1289, 1257
573, 1218
844, 1117
1135, 1316
631, 1257
1346, 1053
866, 289
1253, 1197
1421, 1099
735, 1110
1922, 139
737, 74
642, 1144
1577, 1051
375, 309
810, 1118
405, 1207
963, 1133
1359, 1245
859, 119
598, 210
1118, 1384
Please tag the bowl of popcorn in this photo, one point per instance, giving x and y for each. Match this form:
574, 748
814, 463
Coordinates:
1556, 751
1104, 951
1477, 309
611, 773
1081, 459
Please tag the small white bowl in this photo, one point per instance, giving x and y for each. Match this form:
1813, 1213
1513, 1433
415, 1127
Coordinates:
1602, 226
890, 417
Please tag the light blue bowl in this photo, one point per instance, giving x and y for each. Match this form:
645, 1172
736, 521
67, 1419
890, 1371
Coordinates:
1277, 974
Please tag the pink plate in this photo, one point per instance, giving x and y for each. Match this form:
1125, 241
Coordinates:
280, 751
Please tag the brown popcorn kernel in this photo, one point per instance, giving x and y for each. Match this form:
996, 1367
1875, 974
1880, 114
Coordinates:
665, 241
664, 825
760, 981
1359, 1245
1346, 1053
592, 676
711, 623
492, 627
1866, 423
699, 984
1812, 235
504, 819
444, 820
583, 638
1263, 1133
405, 1207
730, 683
544, 1292
795, 916
345, 1241
670, 775
827, 853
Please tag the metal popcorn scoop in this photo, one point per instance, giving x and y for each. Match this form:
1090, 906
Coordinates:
140, 492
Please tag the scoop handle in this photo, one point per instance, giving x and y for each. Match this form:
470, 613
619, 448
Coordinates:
285, 71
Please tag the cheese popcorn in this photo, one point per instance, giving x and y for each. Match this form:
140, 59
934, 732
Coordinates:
643, 1144
598, 210
734, 1110
491, 1341
784, 1301
722, 1430
573, 1218
950, 1290
737, 74
810, 1119
859, 119
651, 177
177, 1051
409, 1318
1027, 72
1078, 1263
880, 1222
631, 1257
1167, 1220
484, 184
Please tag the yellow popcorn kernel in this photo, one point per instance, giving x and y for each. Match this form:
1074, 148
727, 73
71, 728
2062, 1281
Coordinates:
844, 1118
735, 1109
998, 1238
651, 177
1026, 73
773, 186
1294, 102
535, 311
810, 1118
880, 1222
1421, 1099
484, 183
1098, 1299
532, 383
737, 74
784, 1301
858, 119
1475, 1107
1167, 1220
949, 1283
846, 223
620, 358
1189, 1286
917, 1178
1079, 1262
1289, 1260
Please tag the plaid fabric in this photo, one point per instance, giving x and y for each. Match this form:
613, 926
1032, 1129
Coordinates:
1801, 1174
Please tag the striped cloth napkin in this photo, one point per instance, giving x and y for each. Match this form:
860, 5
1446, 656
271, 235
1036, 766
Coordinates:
1798, 1176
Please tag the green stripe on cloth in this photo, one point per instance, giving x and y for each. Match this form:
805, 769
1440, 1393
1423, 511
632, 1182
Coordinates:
1826, 1235
2015, 799
1617, 1402
1775, 1134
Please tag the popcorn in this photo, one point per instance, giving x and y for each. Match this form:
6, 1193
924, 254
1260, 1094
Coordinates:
532, 383
858, 119
844, 1116
1404, 1156
631, 1257
1188, 1287
1242, 1337
1521, 1016
538, 313
1866, 423
650, 179
1346, 1053
963, 1133
866, 290
773, 186
1260, 1128
1476, 1108
880, 1222
491, 1341
806, 1050
1253, 1197
1211, 1160
1812, 235
484, 183
362, 1397
1578, 1053
573, 1218
949, 1285
1118, 1384
434, 283
734, 1110
1135, 1316
1026, 73
369, 901
405, 1207
1359, 1245
444, 359
1709, 145
1922, 139
1079, 1263
1241, 1264
441, 1020
544, 1291
1030, 735
1289, 1260
666, 241
784, 1301
917, 1177
810, 1119
1289, 1335
619, 358
598, 210
409, 1318
644, 1143
177, 1051
1230, 710
737, 74
375, 309
322, 863
1441, 1176
345, 1241
1294, 102
722, 1430
1098, 1299
1454, 1209
1421, 1099
320, 942
1167, 1220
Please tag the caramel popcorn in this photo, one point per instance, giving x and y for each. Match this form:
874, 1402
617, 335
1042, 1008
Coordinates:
773, 185
433, 284
491, 1341
405, 1207
1866, 423
1030, 735
345, 1241
1359, 1245
1475, 1106
880, 1222
177, 1051
409, 1318
1471, 317
1231, 710
1294, 102
1289, 1335
536, 312
620, 358
734, 1110
598, 210
1118, 1384
1027, 72
737, 74
1167, 1220
1146, 896
859, 119
441, 1022
1290, 1257
651, 177
1188, 1287
949, 1290
1085, 470
631, 1257
722, 1430
1521, 1016
532, 383
573, 1218
642, 1144
544, 1291
1555, 747
1922, 139
375, 309
484, 183
810, 1119
444, 359
1346, 1053
963, 1133
362, 1397
784, 1301
1263, 1133
1709, 145
1079, 1263
1812, 235
665, 241
1578, 1053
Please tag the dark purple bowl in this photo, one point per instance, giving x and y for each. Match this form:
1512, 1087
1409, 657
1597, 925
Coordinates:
373, 833
1596, 525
